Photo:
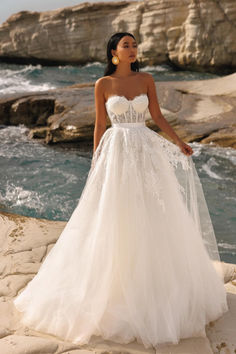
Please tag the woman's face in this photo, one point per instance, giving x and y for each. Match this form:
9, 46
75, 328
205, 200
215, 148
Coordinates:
126, 49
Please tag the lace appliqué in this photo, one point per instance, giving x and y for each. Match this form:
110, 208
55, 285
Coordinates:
134, 150
175, 157
131, 116
154, 186
181, 189
100, 154
174, 154
150, 178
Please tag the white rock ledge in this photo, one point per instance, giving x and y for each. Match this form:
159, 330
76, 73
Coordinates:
24, 243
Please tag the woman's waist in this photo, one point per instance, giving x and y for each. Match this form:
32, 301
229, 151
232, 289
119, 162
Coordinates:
128, 124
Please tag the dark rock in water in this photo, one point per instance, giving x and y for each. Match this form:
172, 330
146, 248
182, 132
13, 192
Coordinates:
224, 137
39, 133
30, 110
33, 110
201, 110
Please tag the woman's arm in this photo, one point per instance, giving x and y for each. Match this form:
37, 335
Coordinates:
101, 114
159, 119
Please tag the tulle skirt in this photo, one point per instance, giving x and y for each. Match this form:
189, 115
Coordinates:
138, 258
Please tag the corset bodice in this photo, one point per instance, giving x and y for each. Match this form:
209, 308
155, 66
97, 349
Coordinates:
122, 111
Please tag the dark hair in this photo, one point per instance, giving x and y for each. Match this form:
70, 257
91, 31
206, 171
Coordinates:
112, 44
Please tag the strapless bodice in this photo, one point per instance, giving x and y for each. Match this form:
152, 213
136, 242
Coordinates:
122, 111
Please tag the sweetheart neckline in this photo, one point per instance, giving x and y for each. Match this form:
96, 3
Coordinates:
141, 94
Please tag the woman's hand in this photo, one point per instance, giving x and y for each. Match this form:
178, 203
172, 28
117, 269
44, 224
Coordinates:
185, 148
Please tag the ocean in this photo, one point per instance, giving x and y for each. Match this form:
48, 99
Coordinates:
46, 181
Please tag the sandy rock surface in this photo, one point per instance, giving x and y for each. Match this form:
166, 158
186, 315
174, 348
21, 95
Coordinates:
24, 243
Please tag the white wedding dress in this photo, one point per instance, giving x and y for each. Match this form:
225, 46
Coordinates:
138, 258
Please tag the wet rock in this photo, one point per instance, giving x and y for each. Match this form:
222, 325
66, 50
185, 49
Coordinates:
200, 110
31, 111
224, 137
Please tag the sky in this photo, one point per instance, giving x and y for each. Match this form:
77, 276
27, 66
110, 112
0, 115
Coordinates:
9, 7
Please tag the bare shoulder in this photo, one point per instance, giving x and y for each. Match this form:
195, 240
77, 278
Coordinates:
102, 82
146, 76
102, 85
147, 79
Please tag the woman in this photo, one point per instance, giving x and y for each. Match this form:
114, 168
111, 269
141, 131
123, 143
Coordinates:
138, 258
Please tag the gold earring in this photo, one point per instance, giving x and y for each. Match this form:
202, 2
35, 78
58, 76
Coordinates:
115, 60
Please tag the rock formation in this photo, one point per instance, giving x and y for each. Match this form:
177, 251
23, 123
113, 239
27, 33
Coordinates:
192, 34
25, 242
202, 110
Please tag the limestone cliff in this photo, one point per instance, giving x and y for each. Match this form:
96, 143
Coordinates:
193, 34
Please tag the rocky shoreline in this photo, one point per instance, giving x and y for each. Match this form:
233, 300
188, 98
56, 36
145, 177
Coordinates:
194, 35
200, 110
25, 242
